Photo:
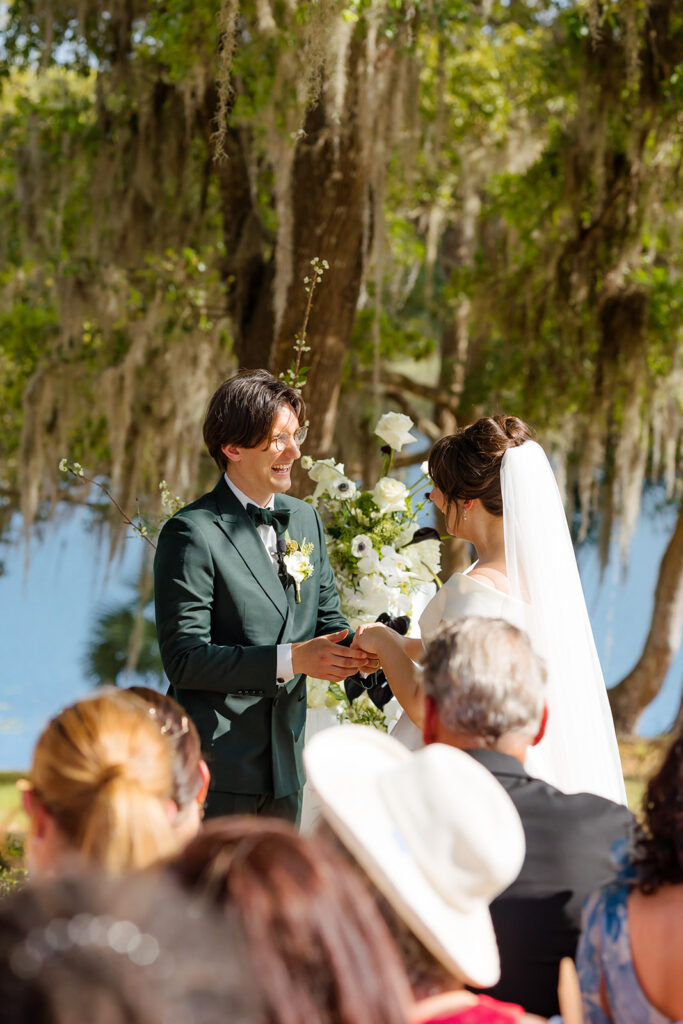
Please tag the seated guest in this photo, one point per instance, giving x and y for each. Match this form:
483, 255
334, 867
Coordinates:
311, 934
100, 788
436, 838
484, 693
96, 949
190, 772
631, 950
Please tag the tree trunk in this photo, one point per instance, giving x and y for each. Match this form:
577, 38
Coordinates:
643, 682
328, 196
678, 724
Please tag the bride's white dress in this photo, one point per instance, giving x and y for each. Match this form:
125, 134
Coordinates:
564, 757
460, 597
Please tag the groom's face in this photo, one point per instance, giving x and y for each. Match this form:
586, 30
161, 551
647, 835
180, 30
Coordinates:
263, 471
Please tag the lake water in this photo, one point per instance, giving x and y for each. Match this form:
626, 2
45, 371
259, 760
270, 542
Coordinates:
48, 613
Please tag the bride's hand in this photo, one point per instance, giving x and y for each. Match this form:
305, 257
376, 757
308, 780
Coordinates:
371, 638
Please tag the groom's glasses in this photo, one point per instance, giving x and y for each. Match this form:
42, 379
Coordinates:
282, 440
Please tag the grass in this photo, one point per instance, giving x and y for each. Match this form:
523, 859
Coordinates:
13, 825
640, 759
12, 817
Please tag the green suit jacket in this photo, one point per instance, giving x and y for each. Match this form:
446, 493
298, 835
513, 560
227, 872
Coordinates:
221, 611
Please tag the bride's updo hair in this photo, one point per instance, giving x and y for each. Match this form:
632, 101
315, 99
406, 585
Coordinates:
466, 464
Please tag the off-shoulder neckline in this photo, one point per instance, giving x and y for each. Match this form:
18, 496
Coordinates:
485, 586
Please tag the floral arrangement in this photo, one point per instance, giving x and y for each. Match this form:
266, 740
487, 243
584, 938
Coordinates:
379, 559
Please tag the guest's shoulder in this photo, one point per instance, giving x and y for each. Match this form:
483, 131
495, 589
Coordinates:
588, 808
591, 805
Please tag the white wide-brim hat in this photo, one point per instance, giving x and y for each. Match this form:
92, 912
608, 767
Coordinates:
435, 832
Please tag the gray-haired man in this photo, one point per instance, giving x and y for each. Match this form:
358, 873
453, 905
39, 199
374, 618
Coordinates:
484, 693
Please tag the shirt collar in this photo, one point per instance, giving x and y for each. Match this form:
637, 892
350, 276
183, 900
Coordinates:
497, 762
243, 498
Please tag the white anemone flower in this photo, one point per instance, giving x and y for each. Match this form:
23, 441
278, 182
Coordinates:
361, 545
342, 488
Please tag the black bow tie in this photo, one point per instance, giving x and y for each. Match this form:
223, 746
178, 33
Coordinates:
277, 518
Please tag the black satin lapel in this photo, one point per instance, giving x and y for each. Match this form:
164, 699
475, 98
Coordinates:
290, 591
241, 533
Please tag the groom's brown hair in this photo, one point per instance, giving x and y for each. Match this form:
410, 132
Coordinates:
241, 411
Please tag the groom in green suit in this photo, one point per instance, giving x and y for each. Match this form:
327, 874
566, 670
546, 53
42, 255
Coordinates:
246, 604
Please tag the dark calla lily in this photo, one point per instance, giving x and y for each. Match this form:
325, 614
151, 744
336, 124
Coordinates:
424, 533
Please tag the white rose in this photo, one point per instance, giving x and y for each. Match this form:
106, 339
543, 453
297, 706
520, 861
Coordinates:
390, 494
424, 467
306, 462
394, 428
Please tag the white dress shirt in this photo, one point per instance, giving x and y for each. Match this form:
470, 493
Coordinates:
284, 670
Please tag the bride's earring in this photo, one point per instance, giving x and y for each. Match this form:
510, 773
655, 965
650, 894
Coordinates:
464, 515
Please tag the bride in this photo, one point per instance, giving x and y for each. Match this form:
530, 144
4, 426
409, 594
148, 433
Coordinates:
496, 489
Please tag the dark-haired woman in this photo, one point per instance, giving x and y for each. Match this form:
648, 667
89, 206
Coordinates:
496, 489
631, 949
311, 933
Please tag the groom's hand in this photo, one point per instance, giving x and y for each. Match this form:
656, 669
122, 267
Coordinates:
324, 658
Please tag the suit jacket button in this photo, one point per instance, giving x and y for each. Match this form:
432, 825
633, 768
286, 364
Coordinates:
280, 680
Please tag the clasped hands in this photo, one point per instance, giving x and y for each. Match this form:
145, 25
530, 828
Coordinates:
324, 657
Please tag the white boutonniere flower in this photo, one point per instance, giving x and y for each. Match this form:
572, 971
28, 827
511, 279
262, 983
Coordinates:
297, 562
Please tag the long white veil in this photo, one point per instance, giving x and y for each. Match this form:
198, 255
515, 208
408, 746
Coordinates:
579, 752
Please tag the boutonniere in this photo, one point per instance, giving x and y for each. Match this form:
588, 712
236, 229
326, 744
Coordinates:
297, 563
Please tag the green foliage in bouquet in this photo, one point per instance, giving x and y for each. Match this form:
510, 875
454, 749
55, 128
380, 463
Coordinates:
376, 565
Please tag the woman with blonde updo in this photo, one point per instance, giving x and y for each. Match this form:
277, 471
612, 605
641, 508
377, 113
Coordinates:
100, 788
191, 775
496, 489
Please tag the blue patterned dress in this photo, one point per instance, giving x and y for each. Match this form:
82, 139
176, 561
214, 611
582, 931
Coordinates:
604, 950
